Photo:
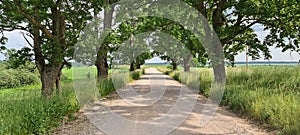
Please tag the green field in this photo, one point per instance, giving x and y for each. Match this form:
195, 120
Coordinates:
24, 111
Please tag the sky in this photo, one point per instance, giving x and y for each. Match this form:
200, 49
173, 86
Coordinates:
276, 53
16, 40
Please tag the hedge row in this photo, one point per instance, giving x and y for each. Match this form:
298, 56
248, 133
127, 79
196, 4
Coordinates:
12, 78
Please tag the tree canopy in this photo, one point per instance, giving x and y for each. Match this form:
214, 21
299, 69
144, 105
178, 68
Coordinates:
55, 27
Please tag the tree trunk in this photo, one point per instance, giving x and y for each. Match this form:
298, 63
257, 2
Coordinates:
187, 63
137, 63
48, 74
138, 66
48, 79
102, 66
101, 62
131, 66
59, 30
218, 63
219, 72
50, 71
211, 42
174, 65
57, 83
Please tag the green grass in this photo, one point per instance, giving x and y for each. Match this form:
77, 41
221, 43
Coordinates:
23, 88
24, 111
268, 94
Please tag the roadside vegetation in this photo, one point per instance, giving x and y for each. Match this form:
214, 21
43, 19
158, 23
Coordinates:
57, 33
21, 76
268, 94
25, 111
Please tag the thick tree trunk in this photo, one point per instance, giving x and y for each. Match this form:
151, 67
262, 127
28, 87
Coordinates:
102, 66
219, 72
218, 62
212, 44
50, 71
187, 63
138, 66
48, 74
48, 79
131, 66
101, 62
174, 65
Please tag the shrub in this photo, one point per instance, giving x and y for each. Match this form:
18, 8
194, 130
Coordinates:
27, 78
8, 79
12, 78
176, 76
135, 74
106, 86
143, 71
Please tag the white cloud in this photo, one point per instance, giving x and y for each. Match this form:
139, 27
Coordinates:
276, 53
15, 40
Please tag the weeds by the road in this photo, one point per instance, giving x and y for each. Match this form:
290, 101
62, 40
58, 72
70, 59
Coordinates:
24, 111
267, 94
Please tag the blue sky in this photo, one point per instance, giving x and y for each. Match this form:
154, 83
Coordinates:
16, 40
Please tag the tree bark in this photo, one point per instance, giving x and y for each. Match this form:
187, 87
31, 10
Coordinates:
137, 63
138, 66
48, 79
218, 62
187, 63
101, 61
101, 64
48, 73
59, 30
131, 66
174, 65
212, 44
57, 83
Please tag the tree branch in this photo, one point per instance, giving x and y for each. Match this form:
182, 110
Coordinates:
9, 28
27, 40
22, 11
237, 32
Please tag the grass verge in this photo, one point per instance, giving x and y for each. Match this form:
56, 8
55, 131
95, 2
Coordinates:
24, 111
268, 94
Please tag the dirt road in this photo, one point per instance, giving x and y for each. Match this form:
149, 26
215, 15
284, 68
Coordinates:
146, 114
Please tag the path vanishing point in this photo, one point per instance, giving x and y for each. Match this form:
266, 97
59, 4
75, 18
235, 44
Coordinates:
222, 122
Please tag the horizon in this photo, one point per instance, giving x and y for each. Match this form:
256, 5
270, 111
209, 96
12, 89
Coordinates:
17, 41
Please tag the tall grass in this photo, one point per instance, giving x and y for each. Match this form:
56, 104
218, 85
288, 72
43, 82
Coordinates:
268, 94
24, 111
